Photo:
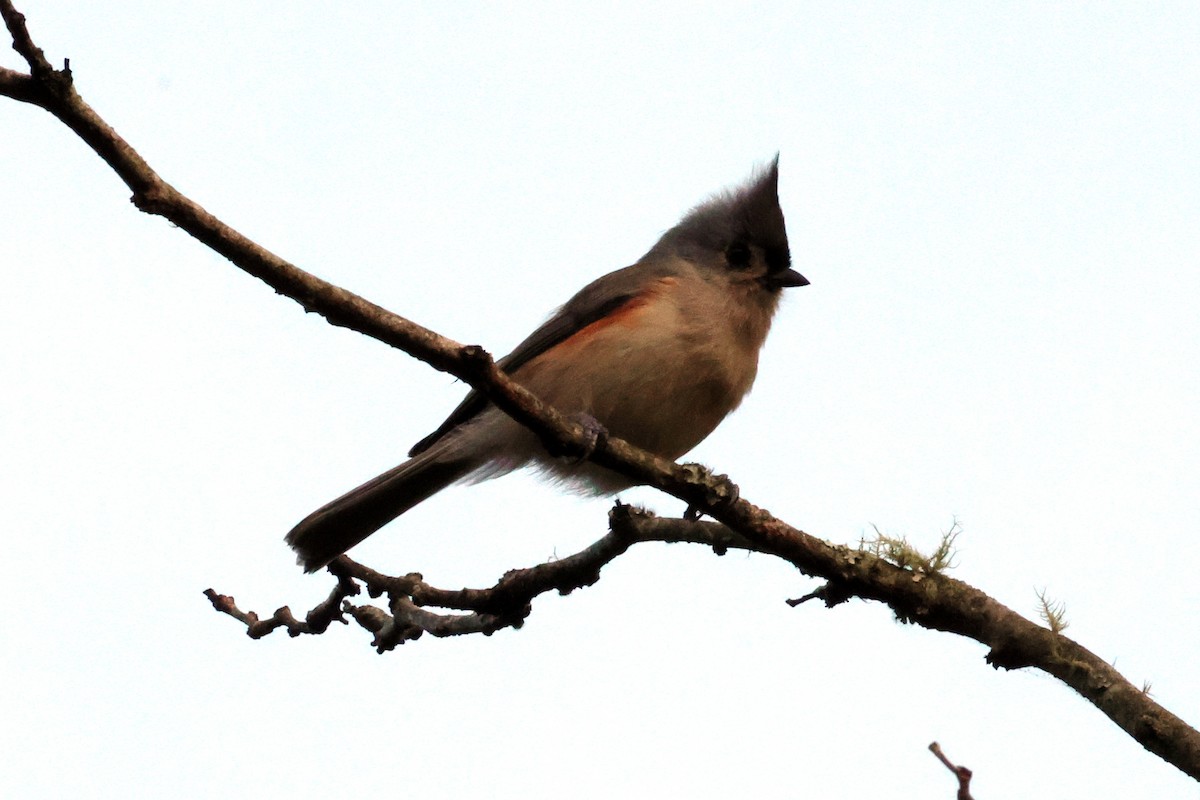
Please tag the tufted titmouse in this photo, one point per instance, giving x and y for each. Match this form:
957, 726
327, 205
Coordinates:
657, 354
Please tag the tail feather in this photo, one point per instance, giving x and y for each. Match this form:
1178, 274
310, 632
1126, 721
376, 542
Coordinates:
337, 526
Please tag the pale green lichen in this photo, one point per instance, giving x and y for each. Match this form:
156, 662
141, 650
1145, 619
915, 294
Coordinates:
1053, 613
899, 551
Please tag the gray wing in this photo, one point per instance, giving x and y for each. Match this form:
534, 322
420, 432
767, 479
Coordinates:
595, 301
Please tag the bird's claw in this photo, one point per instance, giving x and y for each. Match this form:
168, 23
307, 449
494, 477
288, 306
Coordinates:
719, 491
593, 434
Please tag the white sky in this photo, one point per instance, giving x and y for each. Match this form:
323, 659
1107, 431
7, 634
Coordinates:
997, 209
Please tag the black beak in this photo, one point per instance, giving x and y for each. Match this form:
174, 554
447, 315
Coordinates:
786, 278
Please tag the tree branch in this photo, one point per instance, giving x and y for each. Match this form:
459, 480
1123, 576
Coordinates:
961, 773
504, 605
931, 600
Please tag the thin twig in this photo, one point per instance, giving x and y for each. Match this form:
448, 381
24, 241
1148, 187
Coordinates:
962, 773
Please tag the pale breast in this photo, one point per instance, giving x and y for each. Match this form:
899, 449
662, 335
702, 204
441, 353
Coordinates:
660, 373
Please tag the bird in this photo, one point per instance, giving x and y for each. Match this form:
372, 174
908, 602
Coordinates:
657, 353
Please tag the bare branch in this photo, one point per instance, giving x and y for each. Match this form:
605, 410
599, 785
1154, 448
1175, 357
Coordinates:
22, 42
316, 621
962, 773
504, 605
17, 85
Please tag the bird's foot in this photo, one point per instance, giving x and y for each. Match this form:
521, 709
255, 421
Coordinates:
719, 491
593, 434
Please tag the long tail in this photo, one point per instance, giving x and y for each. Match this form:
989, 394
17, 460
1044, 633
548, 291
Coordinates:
337, 526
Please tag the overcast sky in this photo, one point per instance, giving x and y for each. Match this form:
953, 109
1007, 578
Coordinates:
998, 211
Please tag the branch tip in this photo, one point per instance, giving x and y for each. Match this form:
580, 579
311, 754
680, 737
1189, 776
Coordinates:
962, 773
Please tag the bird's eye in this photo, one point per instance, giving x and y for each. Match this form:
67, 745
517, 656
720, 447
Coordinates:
738, 255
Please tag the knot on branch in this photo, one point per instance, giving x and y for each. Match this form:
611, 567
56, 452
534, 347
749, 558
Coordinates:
623, 519
477, 359
1011, 654
59, 83
154, 199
